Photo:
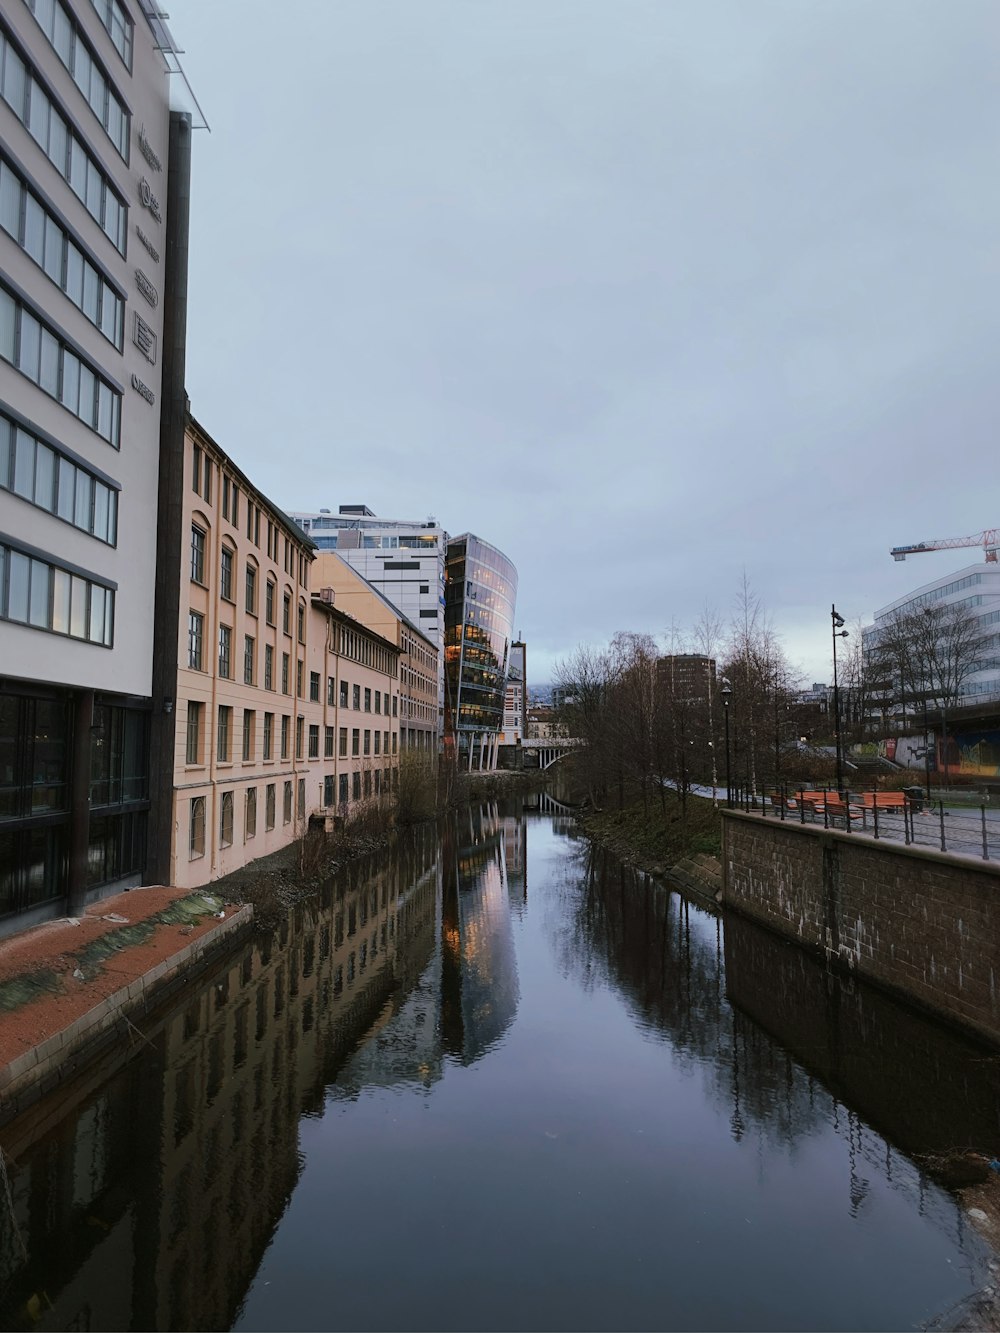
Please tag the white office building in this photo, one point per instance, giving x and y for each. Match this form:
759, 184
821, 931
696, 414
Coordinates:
87, 141
403, 559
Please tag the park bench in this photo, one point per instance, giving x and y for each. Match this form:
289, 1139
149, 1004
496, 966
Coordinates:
883, 800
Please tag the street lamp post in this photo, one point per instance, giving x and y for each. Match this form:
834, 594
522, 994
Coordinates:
726, 693
836, 621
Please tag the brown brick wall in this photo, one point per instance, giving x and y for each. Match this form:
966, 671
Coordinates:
921, 923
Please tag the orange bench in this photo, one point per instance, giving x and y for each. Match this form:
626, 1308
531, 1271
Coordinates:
883, 800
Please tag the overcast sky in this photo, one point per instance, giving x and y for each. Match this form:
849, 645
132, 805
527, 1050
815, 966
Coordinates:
649, 294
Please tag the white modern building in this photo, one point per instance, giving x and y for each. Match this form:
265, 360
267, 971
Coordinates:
977, 589
403, 559
88, 145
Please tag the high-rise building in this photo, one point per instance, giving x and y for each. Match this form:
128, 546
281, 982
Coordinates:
480, 597
402, 558
93, 216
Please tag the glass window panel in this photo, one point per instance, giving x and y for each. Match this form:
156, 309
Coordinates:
53, 250
14, 81
62, 38
93, 195
78, 607
81, 67
48, 375
65, 495
6, 455
113, 517
77, 168
24, 465
30, 343
96, 634
58, 142
84, 488
102, 499
70, 393
45, 476
17, 594
74, 274
88, 394
104, 397
10, 201
38, 611
34, 228
109, 616
115, 121
109, 312
8, 324
97, 91
91, 289
38, 116
60, 601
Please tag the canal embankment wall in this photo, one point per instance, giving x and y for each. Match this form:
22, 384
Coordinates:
923, 924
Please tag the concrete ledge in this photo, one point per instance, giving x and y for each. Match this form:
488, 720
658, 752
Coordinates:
30, 1075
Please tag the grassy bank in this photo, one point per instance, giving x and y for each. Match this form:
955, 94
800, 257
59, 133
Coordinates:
653, 839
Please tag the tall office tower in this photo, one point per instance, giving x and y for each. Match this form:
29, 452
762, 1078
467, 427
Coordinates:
480, 597
90, 152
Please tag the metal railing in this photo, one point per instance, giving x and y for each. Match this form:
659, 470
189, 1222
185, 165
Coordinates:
963, 830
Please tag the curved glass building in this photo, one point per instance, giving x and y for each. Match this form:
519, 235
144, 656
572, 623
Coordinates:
480, 595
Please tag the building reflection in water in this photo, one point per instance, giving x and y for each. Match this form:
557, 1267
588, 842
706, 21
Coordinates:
146, 1194
778, 1040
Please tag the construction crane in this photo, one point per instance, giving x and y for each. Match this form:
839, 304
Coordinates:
989, 540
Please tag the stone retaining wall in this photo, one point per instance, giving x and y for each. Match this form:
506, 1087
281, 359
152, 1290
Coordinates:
921, 923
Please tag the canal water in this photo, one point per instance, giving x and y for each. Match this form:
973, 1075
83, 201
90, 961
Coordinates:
499, 1082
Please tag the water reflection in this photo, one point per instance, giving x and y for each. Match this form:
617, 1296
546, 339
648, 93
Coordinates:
148, 1203
634, 1055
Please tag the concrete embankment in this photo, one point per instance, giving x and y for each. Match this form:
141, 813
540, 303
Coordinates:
923, 924
75, 988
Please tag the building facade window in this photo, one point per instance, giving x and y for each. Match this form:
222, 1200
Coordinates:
268, 667
286, 804
269, 593
196, 641
302, 624
331, 691
355, 742
223, 733
285, 722
302, 798
250, 814
225, 651
249, 733
40, 353
300, 724
368, 741
249, 658
314, 687
48, 126
342, 742
35, 593
299, 669
195, 712
313, 740
51, 245
328, 741
118, 26
356, 696
343, 694
269, 807
344, 788
226, 820
251, 590
89, 75
285, 664
196, 826
197, 554
368, 701
41, 474
268, 736
226, 574
356, 786
286, 614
